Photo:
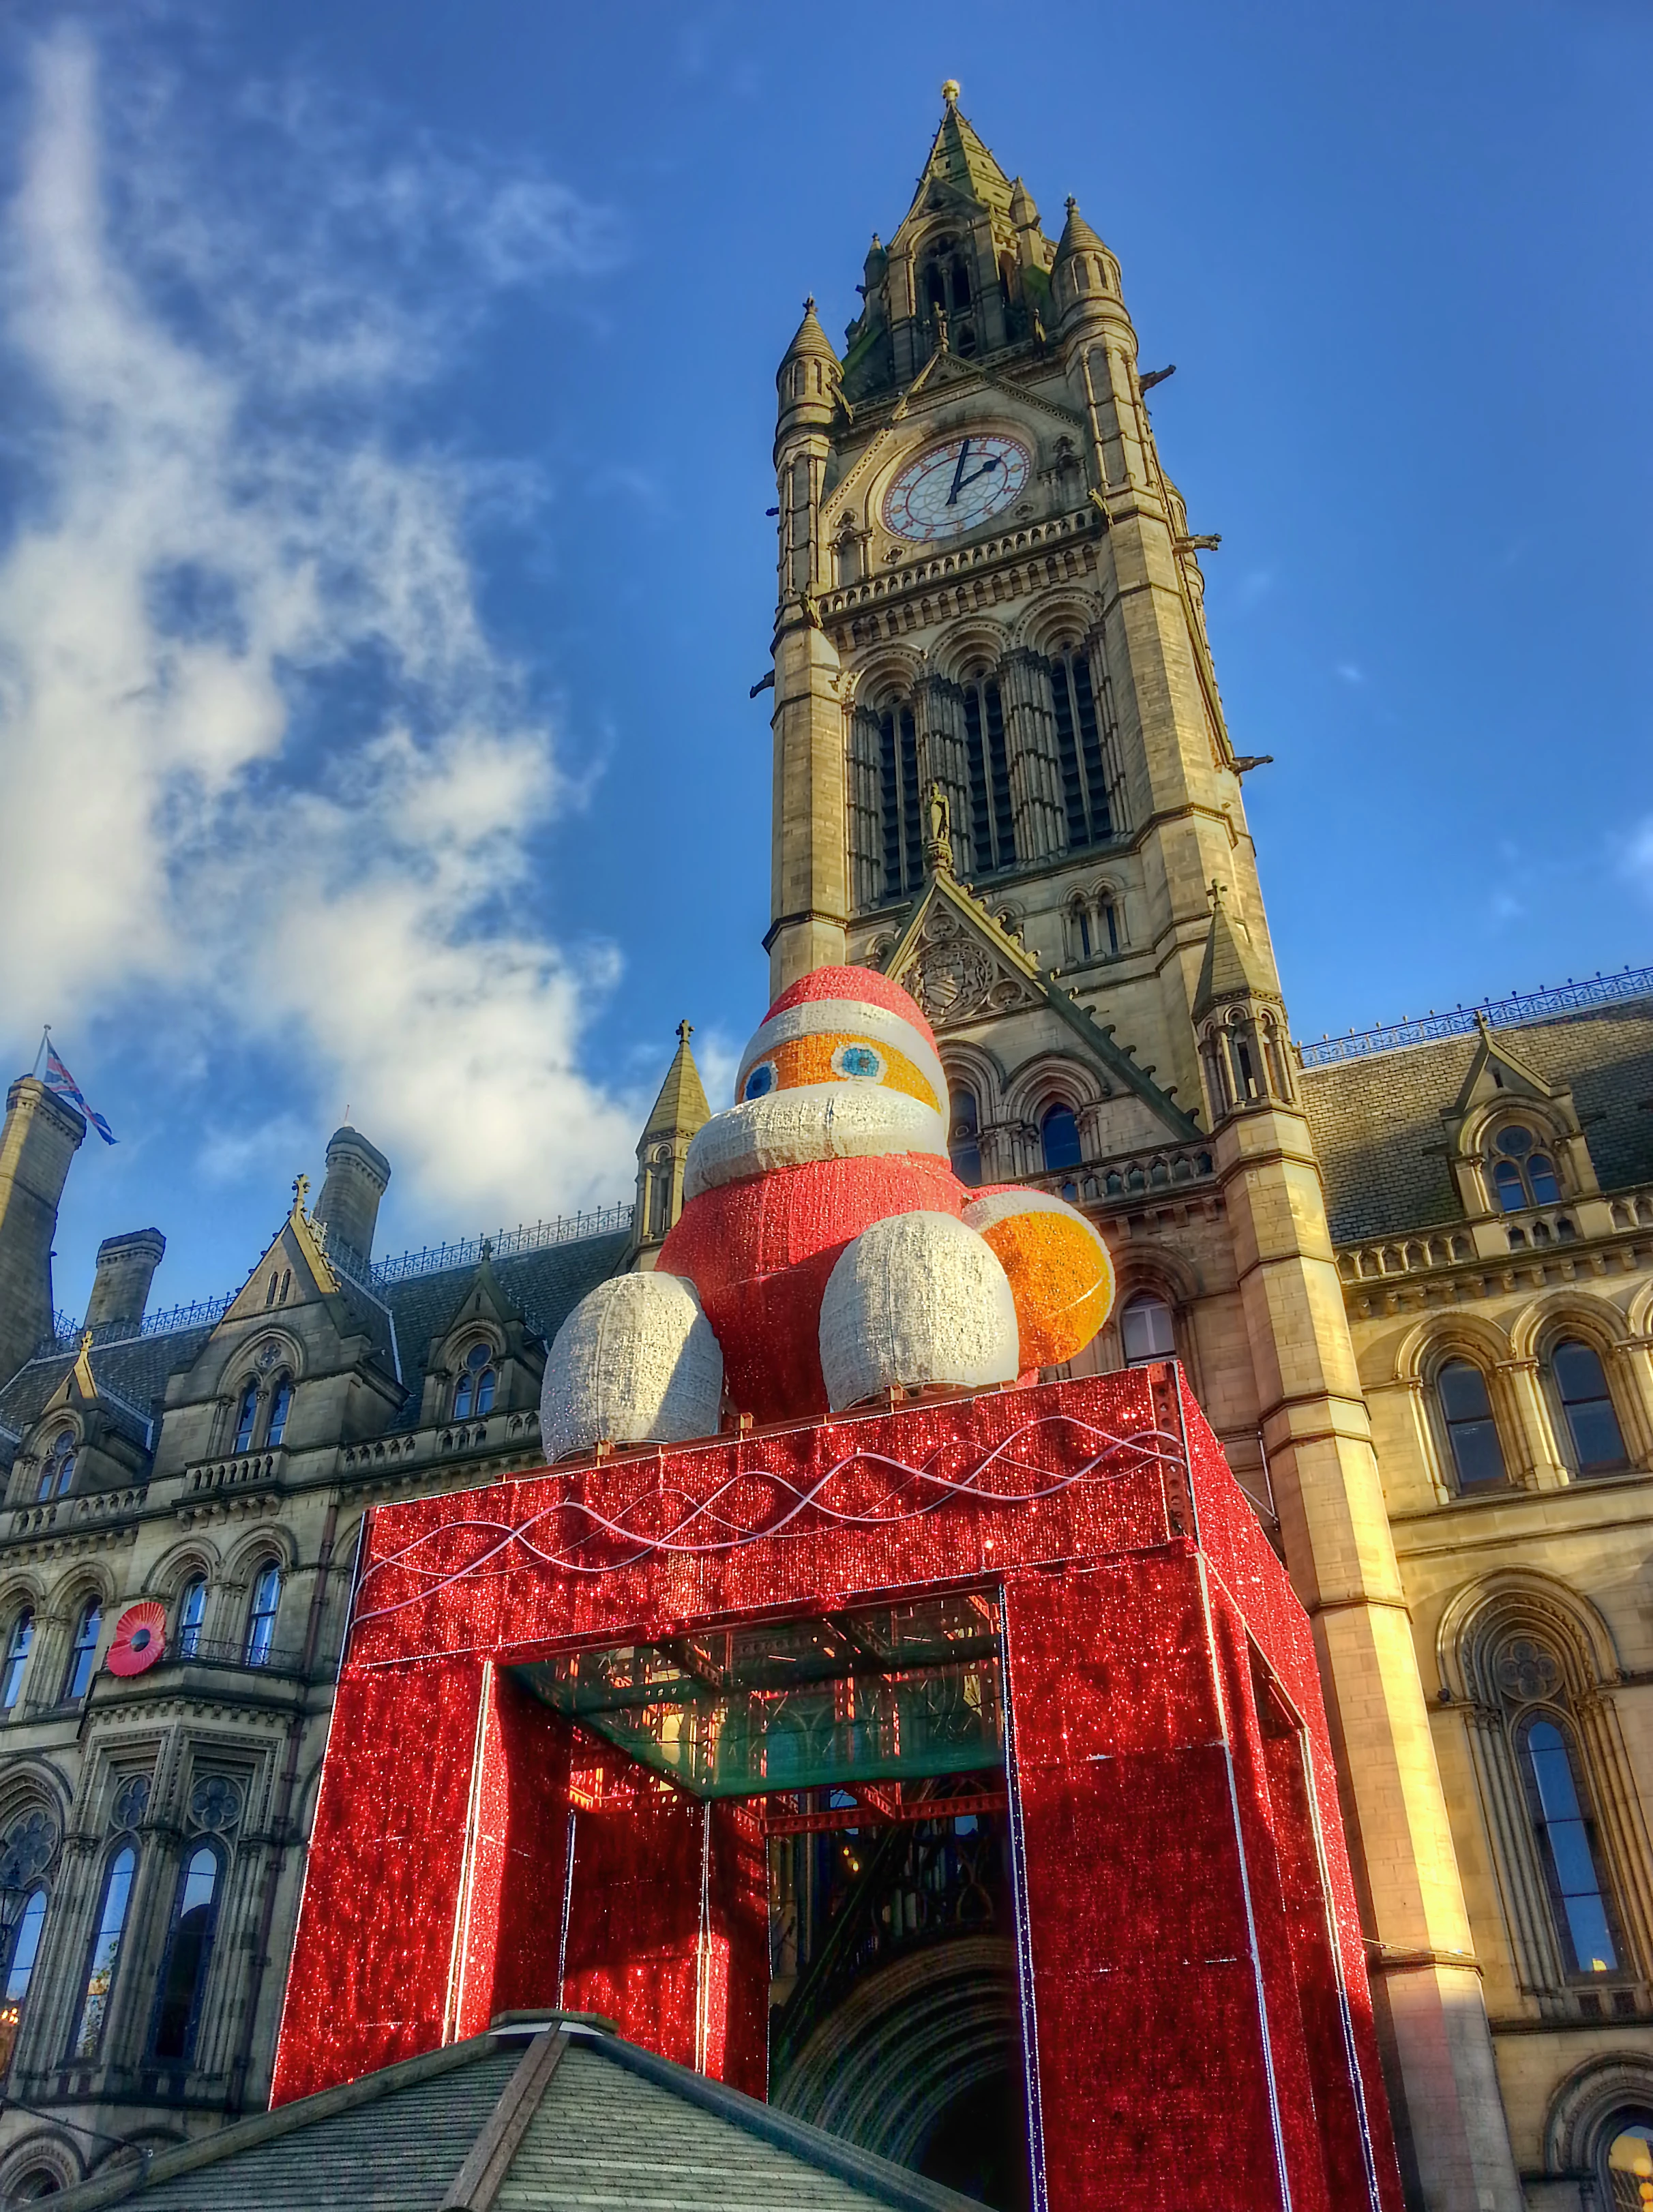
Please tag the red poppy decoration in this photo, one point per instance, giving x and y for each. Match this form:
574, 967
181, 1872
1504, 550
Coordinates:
140, 1638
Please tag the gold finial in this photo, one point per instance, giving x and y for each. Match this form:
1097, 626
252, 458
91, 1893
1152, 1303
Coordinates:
300, 1192
950, 92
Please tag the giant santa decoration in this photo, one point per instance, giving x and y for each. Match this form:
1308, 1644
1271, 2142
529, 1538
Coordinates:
826, 1252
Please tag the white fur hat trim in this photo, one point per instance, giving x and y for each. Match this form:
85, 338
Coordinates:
811, 1121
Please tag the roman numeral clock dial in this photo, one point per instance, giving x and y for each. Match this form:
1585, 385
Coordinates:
952, 488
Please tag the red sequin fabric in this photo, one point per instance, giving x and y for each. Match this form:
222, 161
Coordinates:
1197, 2021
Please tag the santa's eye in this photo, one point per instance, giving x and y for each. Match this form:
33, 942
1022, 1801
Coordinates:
761, 1081
858, 1061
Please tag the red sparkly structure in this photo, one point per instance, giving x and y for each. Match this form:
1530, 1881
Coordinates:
1195, 2012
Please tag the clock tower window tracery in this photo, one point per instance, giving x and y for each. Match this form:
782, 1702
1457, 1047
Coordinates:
992, 824
1079, 739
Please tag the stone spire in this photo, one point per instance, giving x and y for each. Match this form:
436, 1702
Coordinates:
1085, 276
961, 162
678, 1112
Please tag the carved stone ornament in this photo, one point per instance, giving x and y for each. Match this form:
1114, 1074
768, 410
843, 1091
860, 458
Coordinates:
267, 1354
1526, 1671
30, 1842
131, 1802
954, 977
214, 1803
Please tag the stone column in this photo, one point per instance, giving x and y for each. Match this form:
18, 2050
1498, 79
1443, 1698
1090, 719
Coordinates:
1036, 771
944, 758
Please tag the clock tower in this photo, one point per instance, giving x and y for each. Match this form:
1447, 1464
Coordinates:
1003, 775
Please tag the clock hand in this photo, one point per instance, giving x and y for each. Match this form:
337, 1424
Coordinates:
964, 455
991, 463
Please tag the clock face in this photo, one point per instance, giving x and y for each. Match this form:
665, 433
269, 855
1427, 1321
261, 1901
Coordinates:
951, 488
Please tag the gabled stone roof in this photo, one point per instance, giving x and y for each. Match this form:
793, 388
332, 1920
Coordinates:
534, 2117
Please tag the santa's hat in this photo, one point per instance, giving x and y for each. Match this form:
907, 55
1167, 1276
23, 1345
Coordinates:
848, 1002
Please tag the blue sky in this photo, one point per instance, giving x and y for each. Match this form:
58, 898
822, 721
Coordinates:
385, 398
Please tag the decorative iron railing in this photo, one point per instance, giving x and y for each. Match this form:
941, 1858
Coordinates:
405, 1266
1496, 1013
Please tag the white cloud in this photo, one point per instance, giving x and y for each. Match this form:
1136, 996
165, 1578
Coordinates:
1635, 856
264, 767
1350, 674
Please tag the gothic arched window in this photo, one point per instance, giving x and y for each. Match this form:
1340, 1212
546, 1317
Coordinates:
191, 1610
83, 1652
1567, 1841
899, 807
105, 1954
184, 1969
1059, 1139
474, 1392
1079, 744
1581, 1385
21, 1940
58, 1471
1522, 1174
280, 1407
1145, 1331
17, 1650
992, 819
964, 1138
1472, 1433
261, 1618
246, 1415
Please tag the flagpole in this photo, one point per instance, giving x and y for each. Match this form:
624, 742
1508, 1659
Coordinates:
46, 1039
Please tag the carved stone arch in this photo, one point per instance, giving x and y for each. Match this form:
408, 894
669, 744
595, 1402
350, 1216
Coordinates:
1567, 1312
1055, 617
195, 1555
972, 643
1154, 1269
1482, 1615
1053, 1079
84, 1579
887, 671
271, 1352
21, 1586
1589, 2107
976, 1069
1638, 1314
268, 1542
37, 2156
28, 1782
1424, 1349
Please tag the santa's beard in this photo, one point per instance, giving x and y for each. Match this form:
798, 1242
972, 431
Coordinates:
814, 1121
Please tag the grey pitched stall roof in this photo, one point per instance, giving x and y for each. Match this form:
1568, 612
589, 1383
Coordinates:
537, 2116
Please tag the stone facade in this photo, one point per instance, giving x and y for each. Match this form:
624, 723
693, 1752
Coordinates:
1002, 773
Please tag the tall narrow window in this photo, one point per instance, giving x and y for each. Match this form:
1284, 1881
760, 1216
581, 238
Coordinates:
1059, 1136
1079, 742
1567, 1847
1580, 1384
184, 1972
993, 821
1523, 1176
964, 1142
1477, 1454
246, 1415
106, 1952
58, 1471
475, 1392
191, 1611
1145, 1331
898, 801
83, 1653
261, 1621
280, 1407
22, 1942
17, 1649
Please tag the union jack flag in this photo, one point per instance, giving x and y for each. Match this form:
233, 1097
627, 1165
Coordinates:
61, 1083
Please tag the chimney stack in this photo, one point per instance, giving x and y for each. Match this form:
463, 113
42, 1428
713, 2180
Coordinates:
126, 1266
357, 1173
40, 1137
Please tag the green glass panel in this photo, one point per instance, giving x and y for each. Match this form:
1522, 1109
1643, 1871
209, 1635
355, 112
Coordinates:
887, 1695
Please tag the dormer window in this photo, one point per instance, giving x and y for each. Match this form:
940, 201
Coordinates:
477, 1380
58, 1470
280, 1407
246, 1415
1522, 1174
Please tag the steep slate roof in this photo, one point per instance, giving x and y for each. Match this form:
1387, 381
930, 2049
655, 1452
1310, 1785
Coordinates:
136, 1368
1377, 1123
540, 2116
545, 1287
